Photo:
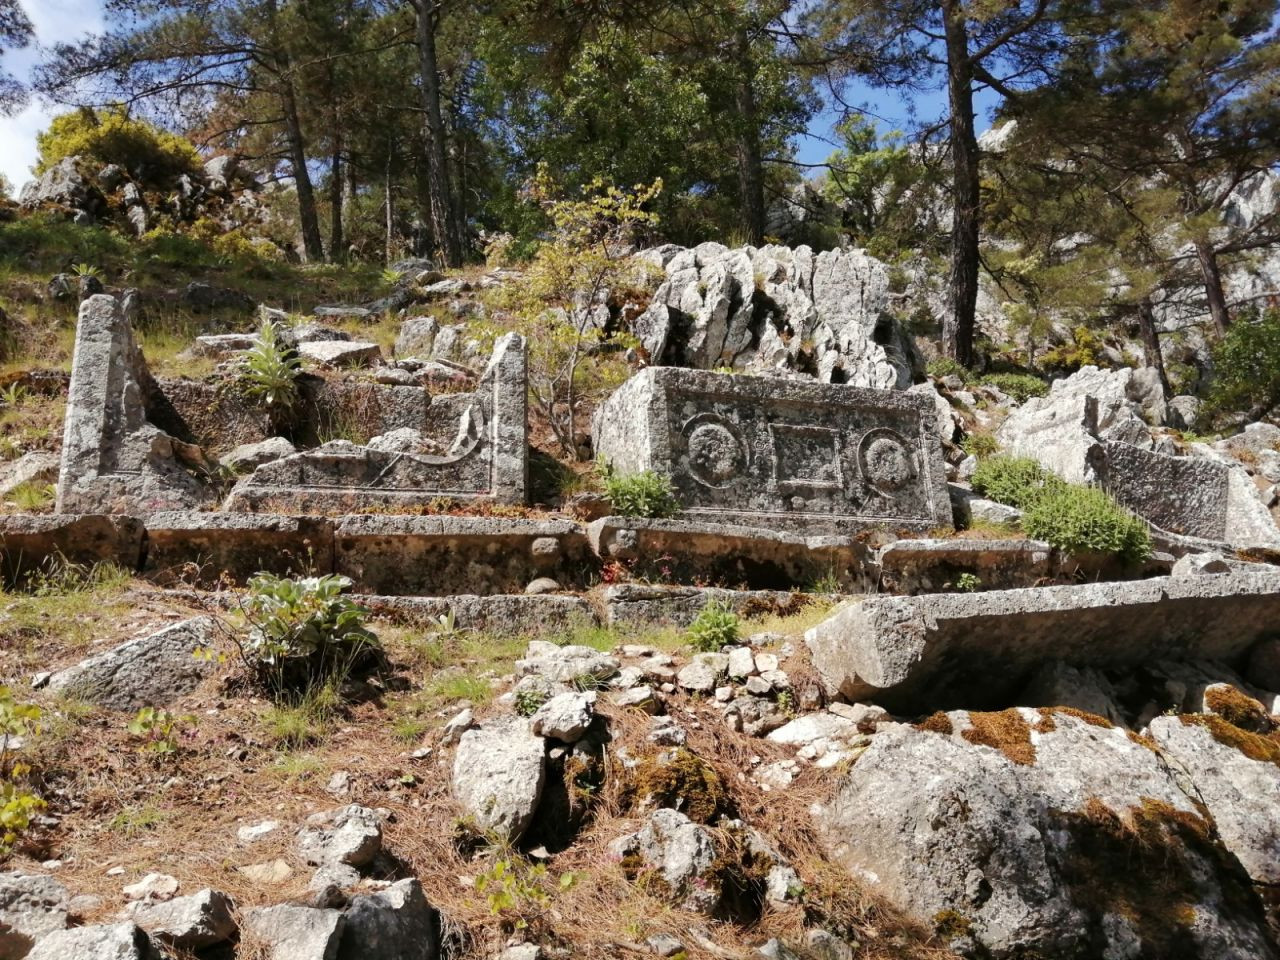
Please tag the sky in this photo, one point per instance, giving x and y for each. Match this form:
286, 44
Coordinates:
61, 20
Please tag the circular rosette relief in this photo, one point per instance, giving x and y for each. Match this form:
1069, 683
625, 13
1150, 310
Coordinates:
887, 461
717, 451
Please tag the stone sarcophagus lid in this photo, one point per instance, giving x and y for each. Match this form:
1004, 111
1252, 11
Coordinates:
781, 454
477, 450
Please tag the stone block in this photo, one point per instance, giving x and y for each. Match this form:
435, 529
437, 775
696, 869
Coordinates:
443, 555
783, 454
635, 604
200, 547
114, 459
28, 541
976, 649
935, 566
482, 452
1186, 496
689, 551
504, 613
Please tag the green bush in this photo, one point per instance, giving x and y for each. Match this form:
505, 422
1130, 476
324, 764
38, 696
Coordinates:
1083, 351
1086, 519
1017, 481
644, 494
151, 155
302, 632
1246, 366
269, 370
946, 367
715, 626
1021, 386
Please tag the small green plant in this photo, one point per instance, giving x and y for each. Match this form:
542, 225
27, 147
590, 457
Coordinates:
18, 803
644, 494
1017, 481
301, 633
86, 271
966, 583
14, 395
529, 700
981, 445
1083, 351
715, 626
946, 367
1086, 519
392, 277
269, 370
33, 497
159, 730
1021, 386
519, 893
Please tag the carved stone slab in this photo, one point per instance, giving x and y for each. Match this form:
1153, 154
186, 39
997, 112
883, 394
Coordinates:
784, 454
483, 454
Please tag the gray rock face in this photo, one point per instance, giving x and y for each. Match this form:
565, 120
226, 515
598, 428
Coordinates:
417, 337
1239, 792
149, 671
682, 852
32, 906
250, 456
292, 932
1061, 429
117, 941
927, 566
565, 717
1045, 855
338, 353
113, 459
350, 835
394, 924
479, 450
1187, 496
192, 923
37, 469
498, 773
1058, 684
203, 297
565, 664
62, 183
939, 649
780, 454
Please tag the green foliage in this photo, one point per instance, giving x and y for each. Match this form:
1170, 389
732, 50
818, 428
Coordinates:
1083, 351
981, 445
269, 370
33, 497
1246, 366
1086, 519
18, 803
644, 494
529, 700
519, 893
940, 367
159, 730
302, 632
1017, 481
966, 583
151, 155
584, 261
1021, 386
715, 626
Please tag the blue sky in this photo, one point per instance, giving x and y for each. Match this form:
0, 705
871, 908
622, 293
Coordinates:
57, 20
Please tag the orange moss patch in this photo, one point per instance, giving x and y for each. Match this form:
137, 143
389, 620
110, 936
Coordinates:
1006, 731
1047, 724
937, 723
1253, 745
1237, 709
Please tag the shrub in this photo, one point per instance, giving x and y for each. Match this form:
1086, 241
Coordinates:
1086, 519
1246, 366
1017, 481
159, 730
1083, 351
151, 155
269, 370
302, 633
18, 804
644, 494
946, 367
980, 445
1021, 386
715, 626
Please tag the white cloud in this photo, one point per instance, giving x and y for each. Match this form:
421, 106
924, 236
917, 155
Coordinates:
54, 21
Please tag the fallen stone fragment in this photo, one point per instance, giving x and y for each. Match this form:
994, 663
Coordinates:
919, 653
150, 671
117, 941
394, 924
683, 853
338, 353
666, 732
814, 726
293, 932
350, 835
249, 456
703, 673
252, 833
32, 905
34, 469
866, 717
565, 717
567, 663
269, 874
154, 886
641, 697
498, 774
192, 922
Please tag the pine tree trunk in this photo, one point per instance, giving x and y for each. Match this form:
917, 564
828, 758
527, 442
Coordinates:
958, 325
1212, 275
750, 162
389, 250
312, 244
337, 242
447, 231
1151, 340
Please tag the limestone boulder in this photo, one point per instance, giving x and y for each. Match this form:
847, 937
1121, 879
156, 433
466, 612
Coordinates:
338, 353
565, 664
498, 774
394, 924
565, 717
350, 835
249, 456
189, 923
683, 854
417, 337
116, 941
31, 469
149, 671
1039, 833
294, 932
32, 906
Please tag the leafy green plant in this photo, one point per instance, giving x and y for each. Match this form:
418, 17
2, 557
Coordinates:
1021, 386
110, 135
980, 445
18, 803
391, 277
644, 494
518, 893
946, 367
1083, 351
1246, 367
159, 730
715, 626
1017, 481
14, 395
86, 270
269, 370
301, 632
33, 497
1086, 519
529, 700
966, 583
